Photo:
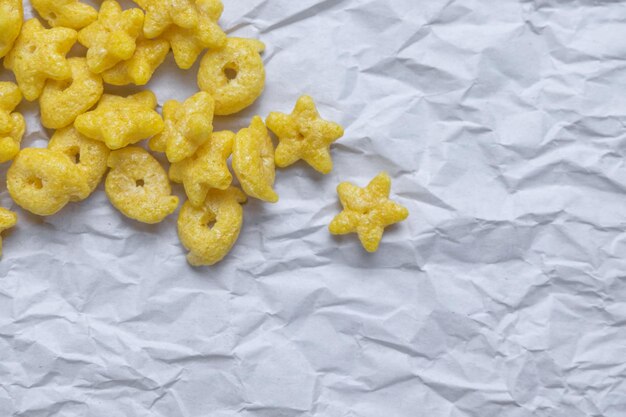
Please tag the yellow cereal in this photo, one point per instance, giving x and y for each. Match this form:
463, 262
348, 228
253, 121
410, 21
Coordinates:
11, 17
8, 219
234, 75
121, 121
210, 231
39, 55
188, 126
44, 181
206, 169
161, 14
138, 187
367, 211
138, 70
65, 13
90, 156
62, 102
112, 38
12, 125
253, 161
303, 134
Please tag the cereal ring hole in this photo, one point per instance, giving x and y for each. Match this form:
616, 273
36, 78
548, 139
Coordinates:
230, 71
209, 219
74, 154
139, 183
35, 182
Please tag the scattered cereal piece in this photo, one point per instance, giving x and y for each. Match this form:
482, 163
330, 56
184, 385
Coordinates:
367, 211
304, 135
138, 187
138, 70
121, 121
188, 126
65, 13
12, 125
38, 55
8, 219
206, 169
11, 17
161, 14
210, 231
233, 75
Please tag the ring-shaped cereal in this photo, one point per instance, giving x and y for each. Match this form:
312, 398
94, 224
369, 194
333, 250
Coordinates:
8, 219
234, 75
209, 245
138, 186
11, 17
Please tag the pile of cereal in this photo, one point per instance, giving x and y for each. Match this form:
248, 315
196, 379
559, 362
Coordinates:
96, 133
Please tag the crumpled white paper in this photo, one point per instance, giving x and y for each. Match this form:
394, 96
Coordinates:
502, 126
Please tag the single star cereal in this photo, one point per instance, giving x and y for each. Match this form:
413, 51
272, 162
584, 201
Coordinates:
161, 14
188, 44
253, 161
12, 125
367, 211
62, 102
234, 75
65, 13
43, 181
303, 134
188, 126
90, 156
39, 55
8, 219
206, 169
121, 121
210, 231
138, 70
112, 38
11, 17
138, 187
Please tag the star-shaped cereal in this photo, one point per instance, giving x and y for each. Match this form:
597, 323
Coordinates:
188, 44
12, 125
65, 13
11, 17
367, 211
207, 169
39, 55
112, 38
8, 219
121, 121
138, 70
304, 135
161, 14
188, 126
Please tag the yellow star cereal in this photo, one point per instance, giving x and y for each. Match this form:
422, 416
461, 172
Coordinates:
234, 75
12, 125
138, 70
161, 14
8, 219
65, 13
138, 187
121, 121
43, 181
206, 169
188, 125
210, 231
39, 55
253, 161
11, 17
62, 102
367, 211
304, 135
112, 38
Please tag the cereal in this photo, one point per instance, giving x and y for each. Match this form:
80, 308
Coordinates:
39, 55
11, 17
8, 219
188, 126
138, 187
138, 70
367, 211
66, 13
188, 44
233, 75
62, 101
90, 156
253, 161
206, 169
12, 125
112, 38
161, 14
210, 231
304, 135
121, 121
43, 181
